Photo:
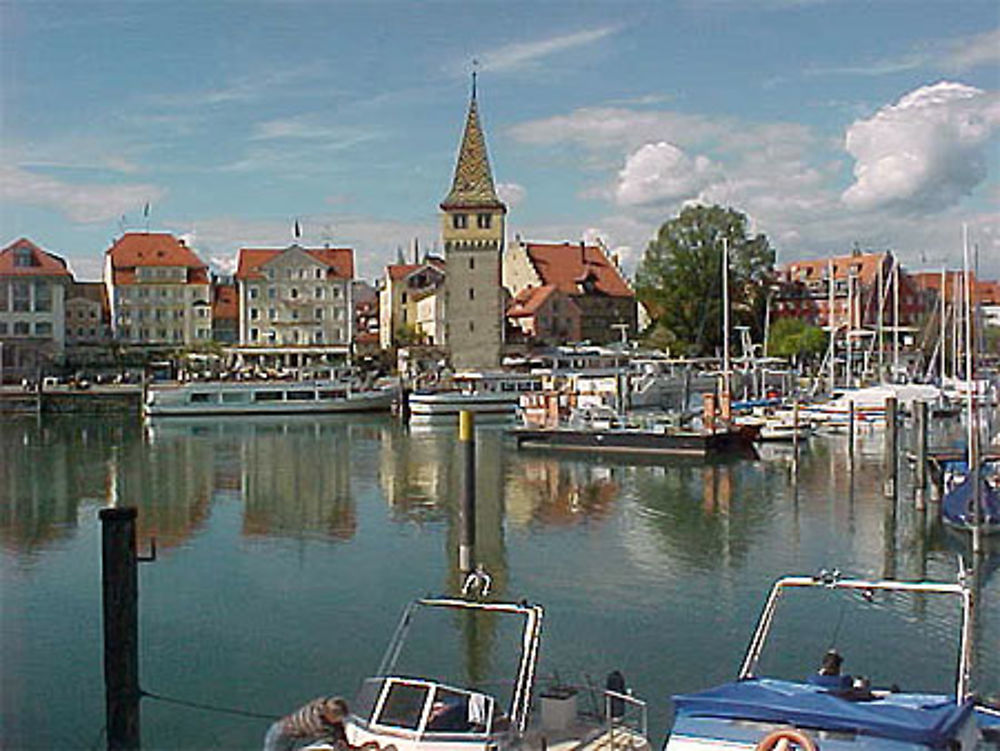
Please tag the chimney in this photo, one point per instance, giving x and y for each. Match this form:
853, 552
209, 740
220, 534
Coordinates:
416, 250
583, 254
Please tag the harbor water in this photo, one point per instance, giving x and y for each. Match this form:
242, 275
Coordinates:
287, 547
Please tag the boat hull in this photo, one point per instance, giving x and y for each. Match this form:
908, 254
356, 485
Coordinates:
203, 400
632, 442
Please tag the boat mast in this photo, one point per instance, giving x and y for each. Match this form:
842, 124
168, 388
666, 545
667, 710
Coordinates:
849, 370
833, 330
973, 433
881, 323
726, 375
944, 323
895, 318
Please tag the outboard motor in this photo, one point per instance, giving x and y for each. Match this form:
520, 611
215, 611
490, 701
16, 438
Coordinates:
616, 683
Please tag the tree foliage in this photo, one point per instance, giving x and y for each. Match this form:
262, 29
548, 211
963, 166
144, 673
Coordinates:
680, 278
796, 339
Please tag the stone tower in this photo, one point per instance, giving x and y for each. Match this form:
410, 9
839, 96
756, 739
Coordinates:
473, 232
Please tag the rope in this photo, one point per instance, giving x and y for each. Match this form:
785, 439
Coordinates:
840, 621
209, 707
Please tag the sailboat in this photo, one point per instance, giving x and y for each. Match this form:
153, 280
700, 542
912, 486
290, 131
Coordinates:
973, 501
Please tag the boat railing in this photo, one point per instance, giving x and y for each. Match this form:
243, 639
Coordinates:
626, 717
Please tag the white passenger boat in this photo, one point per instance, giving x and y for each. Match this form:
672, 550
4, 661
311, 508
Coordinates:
431, 713
201, 398
831, 711
488, 395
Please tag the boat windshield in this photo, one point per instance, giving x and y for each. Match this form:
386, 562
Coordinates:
844, 636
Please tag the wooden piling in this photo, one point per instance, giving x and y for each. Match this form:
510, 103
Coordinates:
850, 434
121, 627
467, 516
921, 427
890, 447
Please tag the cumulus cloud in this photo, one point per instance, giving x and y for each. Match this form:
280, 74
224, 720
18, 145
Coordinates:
85, 203
925, 152
661, 173
511, 194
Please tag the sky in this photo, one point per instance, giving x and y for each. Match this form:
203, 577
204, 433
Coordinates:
831, 124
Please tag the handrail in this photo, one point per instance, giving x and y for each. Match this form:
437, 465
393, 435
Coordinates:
635, 703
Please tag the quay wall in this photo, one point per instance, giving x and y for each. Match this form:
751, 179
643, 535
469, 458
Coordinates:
100, 401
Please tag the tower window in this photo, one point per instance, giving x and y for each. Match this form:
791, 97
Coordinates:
459, 221
472, 326
472, 293
483, 221
472, 264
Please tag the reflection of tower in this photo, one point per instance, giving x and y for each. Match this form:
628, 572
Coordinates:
473, 233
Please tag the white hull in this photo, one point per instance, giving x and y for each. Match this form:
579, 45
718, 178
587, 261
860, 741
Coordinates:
262, 398
451, 403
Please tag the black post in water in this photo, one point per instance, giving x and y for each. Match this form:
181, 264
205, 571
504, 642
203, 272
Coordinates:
121, 627
921, 426
891, 434
467, 444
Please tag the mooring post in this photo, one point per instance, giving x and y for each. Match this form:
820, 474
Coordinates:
891, 464
467, 446
850, 434
121, 627
921, 426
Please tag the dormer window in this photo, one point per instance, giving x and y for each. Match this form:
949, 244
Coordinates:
483, 220
459, 221
23, 257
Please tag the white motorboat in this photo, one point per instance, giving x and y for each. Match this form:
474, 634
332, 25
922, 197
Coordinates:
487, 395
202, 398
432, 713
831, 711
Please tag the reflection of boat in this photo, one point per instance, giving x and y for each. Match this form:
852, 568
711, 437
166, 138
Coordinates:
777, 425
265, 397
604, 431
428, 713
829, 710
485, 394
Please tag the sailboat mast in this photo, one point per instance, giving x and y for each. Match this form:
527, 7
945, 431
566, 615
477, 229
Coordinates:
944, 321
849, 370
833, 328
973, 432
726, 375
895, 318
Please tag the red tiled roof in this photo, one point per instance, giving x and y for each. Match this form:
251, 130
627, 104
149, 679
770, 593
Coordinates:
566, 266
139, 249
988, 292
865, 266
43, 262
399, 271
984, 291
225, 303
339, 261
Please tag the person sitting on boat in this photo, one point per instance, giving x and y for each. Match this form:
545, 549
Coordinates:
322, 719
828, 676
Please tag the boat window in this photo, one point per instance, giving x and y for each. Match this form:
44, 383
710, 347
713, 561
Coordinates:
299, 396
235, 397
202, 397
327, 394
403, 705
267, 396
364, 702
458, 712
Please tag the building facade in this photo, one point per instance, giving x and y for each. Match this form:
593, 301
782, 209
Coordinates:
295, 305
87, 322
545, 315
585, 275
159, 291
473, 231
33, 286
404, 286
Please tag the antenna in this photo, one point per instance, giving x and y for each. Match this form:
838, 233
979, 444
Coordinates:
475, 72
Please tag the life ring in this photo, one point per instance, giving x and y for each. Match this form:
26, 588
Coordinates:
793, 739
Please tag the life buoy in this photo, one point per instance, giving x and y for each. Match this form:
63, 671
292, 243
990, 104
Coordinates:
786, 740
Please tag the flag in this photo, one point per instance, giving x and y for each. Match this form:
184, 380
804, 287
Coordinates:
145, 211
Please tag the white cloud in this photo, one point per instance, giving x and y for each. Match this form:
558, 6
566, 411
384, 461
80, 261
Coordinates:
661, 173
90, 202
522, 54
924, 152
511, 194
971, 52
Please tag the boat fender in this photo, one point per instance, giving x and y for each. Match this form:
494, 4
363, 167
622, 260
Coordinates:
786, 739
616, 682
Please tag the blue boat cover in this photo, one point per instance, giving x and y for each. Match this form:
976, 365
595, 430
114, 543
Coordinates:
957, 504
927, 719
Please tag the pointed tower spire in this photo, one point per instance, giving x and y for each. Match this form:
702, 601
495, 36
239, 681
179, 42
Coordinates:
472, 186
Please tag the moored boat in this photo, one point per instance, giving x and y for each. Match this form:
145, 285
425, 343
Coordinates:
488, 395
831, 711
436, 713
202, 398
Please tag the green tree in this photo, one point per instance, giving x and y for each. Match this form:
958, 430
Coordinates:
795, 339
680, 278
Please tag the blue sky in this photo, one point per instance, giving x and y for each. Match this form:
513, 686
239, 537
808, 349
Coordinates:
828, 123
